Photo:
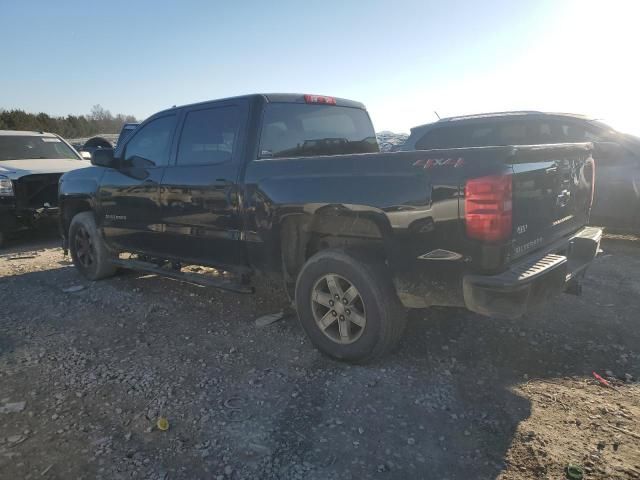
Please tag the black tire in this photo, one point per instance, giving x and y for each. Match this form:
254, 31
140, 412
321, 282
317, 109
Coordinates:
88, 251
384, 314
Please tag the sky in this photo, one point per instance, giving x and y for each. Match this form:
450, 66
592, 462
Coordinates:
404, 60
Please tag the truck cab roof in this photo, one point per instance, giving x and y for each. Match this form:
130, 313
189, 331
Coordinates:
273, 98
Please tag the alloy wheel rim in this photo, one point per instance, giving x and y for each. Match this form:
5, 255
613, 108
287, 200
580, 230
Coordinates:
338, 309
85, 251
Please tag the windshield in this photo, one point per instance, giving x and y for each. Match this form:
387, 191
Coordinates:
24, 147
301, 130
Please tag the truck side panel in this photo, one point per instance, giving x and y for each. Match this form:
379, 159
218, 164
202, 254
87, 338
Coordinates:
401, 205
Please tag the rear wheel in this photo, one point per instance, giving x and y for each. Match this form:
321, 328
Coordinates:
348, 306
88, 251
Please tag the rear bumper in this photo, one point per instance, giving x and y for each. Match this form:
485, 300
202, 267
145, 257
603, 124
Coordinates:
533, 280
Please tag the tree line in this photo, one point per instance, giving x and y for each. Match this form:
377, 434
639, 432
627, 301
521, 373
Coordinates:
71, 126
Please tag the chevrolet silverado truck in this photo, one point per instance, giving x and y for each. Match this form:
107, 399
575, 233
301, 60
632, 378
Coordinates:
293, 188
31, 164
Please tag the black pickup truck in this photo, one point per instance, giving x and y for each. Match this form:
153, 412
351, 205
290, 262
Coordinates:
293, 187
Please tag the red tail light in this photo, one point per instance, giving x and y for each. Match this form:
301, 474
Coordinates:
320, 99
487, 208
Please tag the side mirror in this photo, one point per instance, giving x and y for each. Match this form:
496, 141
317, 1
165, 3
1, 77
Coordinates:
608, 151
103, 157
85, 155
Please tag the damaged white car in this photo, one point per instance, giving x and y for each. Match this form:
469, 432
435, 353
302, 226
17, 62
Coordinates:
31, 164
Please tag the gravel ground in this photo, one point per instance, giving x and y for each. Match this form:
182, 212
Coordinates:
86, 372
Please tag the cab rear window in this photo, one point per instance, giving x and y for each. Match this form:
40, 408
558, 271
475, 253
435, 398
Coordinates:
302, 130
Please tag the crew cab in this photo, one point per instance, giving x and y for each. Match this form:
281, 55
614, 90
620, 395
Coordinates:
293, 188
30, 165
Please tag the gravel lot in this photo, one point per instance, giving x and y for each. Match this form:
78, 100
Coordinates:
85, 374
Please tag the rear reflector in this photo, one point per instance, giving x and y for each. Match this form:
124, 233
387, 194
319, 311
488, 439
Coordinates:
487, 208
320, 99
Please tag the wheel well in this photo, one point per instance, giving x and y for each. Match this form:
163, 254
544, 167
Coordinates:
302, 236
70, 209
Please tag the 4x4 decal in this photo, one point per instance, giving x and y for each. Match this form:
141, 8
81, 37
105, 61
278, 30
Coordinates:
439, 162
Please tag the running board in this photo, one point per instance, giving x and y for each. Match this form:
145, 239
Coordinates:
198, 279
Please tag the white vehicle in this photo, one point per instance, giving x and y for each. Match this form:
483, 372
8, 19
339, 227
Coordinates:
31, 164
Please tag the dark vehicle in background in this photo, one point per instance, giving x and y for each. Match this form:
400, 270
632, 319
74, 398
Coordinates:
293, 187
102, 143
617, 155
93, 144
31, 164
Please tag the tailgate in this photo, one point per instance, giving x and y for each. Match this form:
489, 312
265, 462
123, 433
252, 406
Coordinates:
552, 193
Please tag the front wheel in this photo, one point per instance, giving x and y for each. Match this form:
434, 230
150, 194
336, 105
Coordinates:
348, 307
88, 251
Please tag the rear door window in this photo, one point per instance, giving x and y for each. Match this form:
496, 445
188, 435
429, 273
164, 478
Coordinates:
208, 136
302, 130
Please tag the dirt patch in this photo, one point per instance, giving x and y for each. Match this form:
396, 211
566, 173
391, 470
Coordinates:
96, 365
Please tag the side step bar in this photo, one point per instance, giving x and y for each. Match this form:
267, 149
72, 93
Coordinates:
198, 279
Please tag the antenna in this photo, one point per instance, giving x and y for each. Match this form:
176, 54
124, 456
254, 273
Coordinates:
437, 114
